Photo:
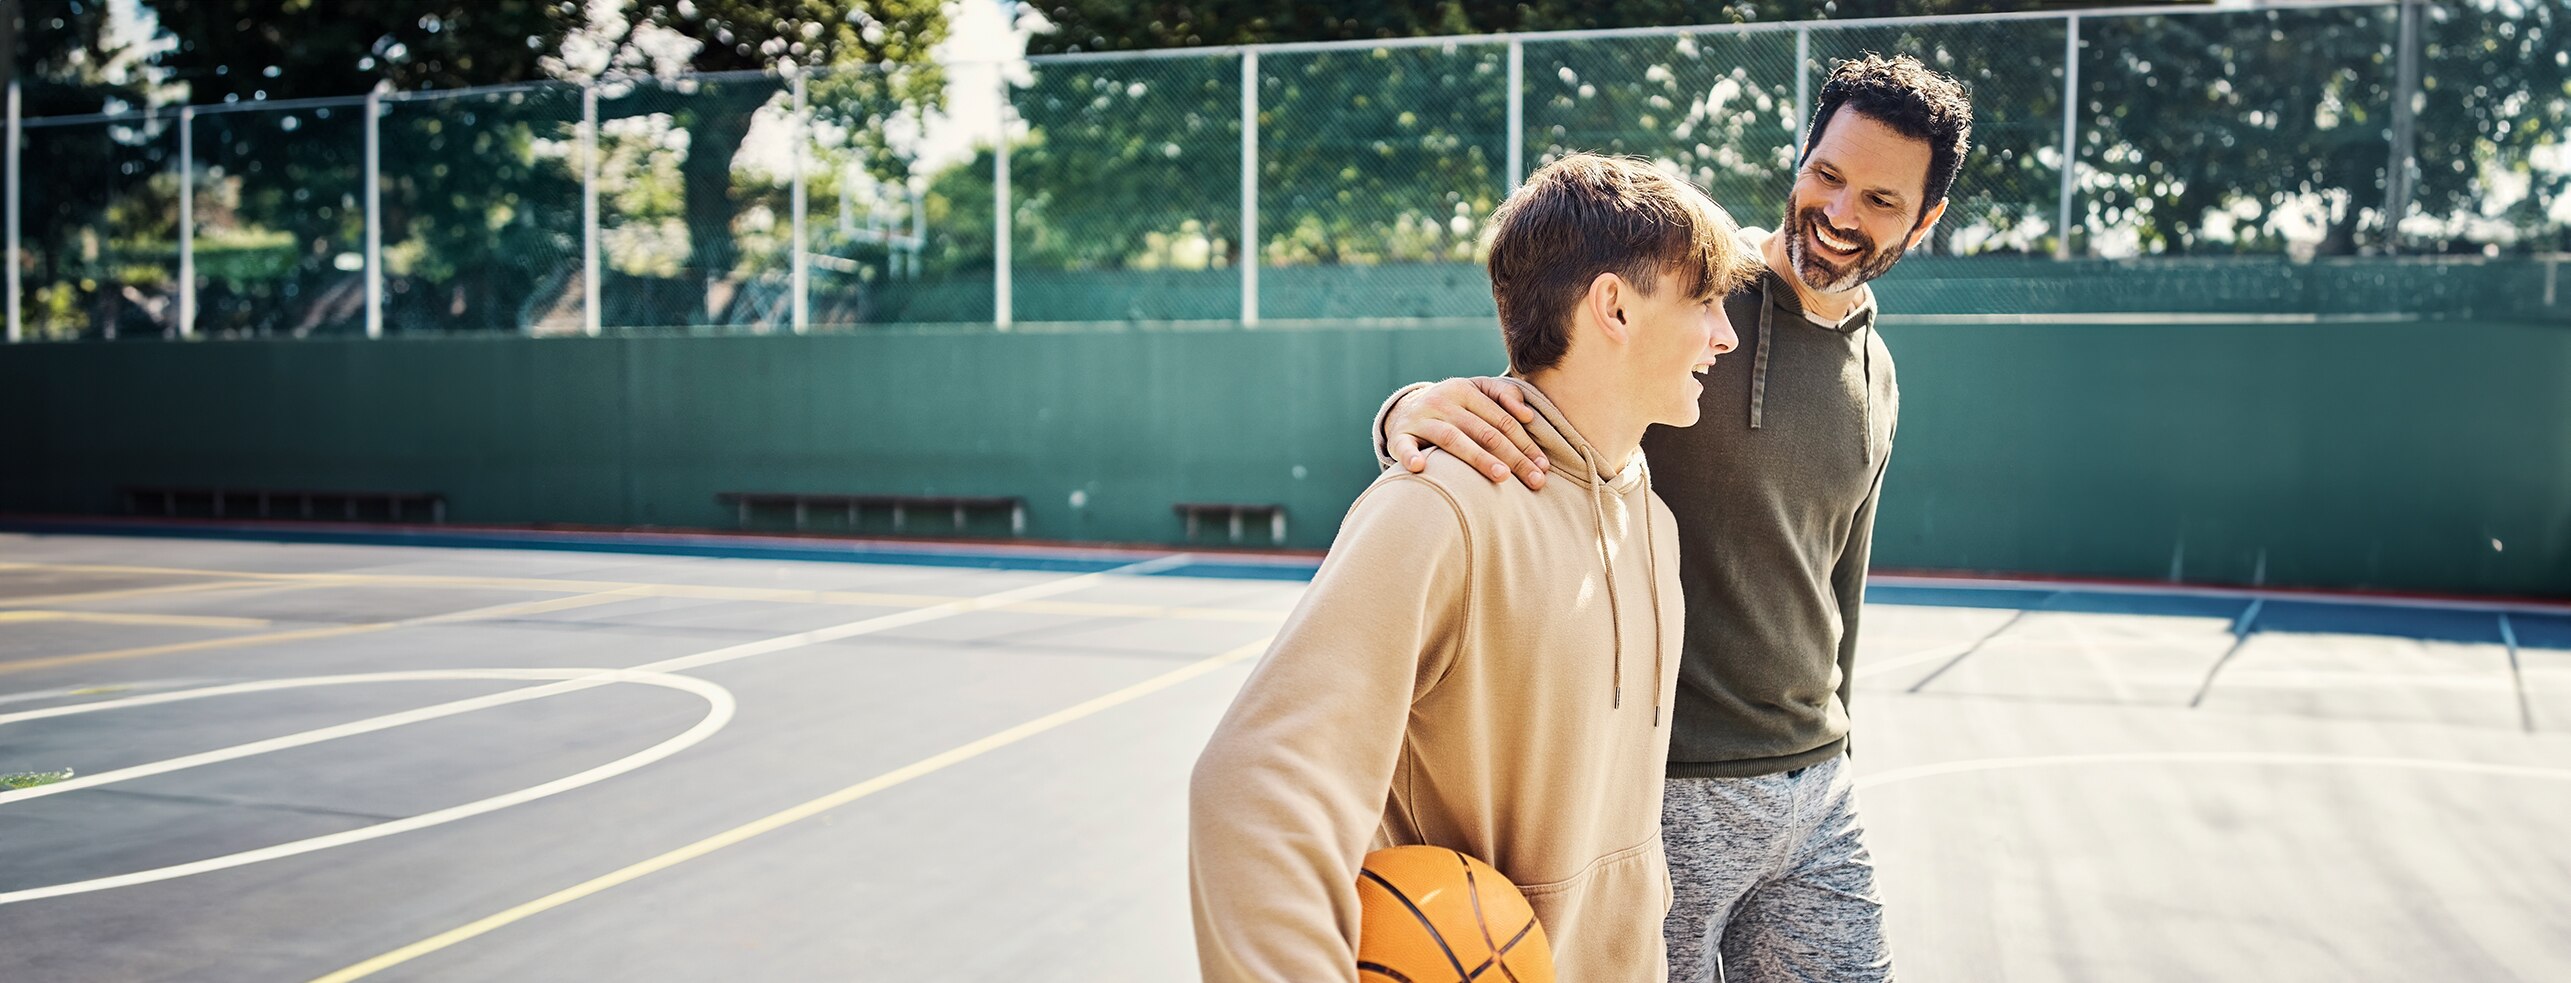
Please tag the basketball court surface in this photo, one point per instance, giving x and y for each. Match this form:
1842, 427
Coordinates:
305, 760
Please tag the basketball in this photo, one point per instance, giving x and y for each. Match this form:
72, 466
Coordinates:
1434, 915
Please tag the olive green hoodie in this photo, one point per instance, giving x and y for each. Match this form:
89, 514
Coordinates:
1474, 667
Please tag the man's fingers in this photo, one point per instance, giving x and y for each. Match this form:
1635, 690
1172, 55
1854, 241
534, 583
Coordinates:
1508, 437
1455, 441
1516, 400
1405, 448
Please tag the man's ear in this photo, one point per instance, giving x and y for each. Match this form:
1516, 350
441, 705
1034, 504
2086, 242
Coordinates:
1608, 294
1926, 219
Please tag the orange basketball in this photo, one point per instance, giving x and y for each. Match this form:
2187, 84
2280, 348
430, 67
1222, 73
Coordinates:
1434, 915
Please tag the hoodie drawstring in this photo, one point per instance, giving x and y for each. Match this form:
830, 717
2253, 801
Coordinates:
1767, 342
1651, 565
1615, 612
1598, 479
1866, 358
1607, 563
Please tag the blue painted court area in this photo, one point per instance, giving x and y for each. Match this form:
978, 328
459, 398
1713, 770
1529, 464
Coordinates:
334, 756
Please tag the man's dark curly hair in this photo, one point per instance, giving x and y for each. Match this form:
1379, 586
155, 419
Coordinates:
1915, 100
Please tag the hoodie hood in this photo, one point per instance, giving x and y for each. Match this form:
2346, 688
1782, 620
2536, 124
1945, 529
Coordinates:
1570, 454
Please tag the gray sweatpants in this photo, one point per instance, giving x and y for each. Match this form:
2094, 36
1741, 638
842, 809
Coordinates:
1772, 880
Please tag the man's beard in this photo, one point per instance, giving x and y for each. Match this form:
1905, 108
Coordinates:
1815, 272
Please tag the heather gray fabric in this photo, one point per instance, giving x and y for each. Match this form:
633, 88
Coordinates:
1772, 880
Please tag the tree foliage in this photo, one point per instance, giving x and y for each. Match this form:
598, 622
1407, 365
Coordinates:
2240, 131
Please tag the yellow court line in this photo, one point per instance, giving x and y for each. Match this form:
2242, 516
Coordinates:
793, 814
303, 634
110, 595
120, 618
780, 595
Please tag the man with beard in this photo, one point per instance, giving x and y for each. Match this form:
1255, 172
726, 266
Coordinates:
1774, 494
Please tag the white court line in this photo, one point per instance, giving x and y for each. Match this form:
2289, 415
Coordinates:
1914, 772
583, 679
567, 685
797, 813
719, 710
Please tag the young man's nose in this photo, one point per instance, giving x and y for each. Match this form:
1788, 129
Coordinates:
1723, 340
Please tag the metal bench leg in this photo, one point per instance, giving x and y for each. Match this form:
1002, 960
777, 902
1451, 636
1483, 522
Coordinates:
1276, 527
798, 515
959, 517
1236, 525
1017, 520
897, 516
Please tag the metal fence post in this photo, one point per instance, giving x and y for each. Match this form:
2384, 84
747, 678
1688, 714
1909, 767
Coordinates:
2405, 128
589, 209
12, 178
1517, 114
802, 264
374, 216
2070, 134
1001, 304
187, 221
1249, 189
1802, 90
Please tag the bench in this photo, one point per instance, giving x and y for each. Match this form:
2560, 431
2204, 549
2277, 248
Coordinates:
284, 503
855, 506
1233, 513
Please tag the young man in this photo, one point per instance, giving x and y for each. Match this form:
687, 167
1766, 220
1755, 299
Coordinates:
1477, 667
1774, 493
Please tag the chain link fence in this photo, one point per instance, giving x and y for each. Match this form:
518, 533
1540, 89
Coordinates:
99, 224
2354, 159
482, 211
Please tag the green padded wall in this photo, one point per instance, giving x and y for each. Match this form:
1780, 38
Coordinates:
2414, 455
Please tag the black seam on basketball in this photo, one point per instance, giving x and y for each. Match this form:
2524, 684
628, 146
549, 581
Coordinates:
1396, 974
1473, 890
1503, 954
1423, 923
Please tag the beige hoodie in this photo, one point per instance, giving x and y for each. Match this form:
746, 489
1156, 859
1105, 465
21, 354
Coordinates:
1475, 667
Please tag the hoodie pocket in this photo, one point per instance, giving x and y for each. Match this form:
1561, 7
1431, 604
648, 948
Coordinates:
1605, 921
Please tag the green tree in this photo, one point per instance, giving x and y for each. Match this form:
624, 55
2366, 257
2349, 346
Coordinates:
461, 192
2199, 133
88, 211
873, 63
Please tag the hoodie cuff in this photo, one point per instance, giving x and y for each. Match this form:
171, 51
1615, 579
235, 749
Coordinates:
1383, 414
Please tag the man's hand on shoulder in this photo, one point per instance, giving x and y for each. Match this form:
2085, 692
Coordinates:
1482, 421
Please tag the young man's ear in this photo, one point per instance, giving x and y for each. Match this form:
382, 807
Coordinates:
1926, 219
1606, 300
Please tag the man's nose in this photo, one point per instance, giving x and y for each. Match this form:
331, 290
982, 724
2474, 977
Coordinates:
1838, 209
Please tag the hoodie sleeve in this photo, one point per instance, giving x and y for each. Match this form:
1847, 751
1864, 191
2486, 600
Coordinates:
1848, 583
1291, 789
1383, 415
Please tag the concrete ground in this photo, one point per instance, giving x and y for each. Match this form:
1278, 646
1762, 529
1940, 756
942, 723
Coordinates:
316, 761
